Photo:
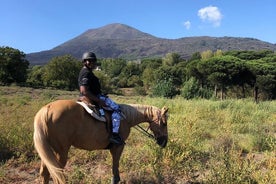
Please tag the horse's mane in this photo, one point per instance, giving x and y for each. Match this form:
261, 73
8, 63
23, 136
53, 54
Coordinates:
137, 110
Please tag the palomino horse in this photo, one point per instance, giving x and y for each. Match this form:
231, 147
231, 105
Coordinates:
64, 123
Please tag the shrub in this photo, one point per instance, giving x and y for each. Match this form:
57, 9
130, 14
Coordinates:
191, 89
165, 88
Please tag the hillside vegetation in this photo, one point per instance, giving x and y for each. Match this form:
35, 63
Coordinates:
233, 74
230, 141
123, 41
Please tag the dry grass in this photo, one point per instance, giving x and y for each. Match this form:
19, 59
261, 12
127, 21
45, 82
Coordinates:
231, 141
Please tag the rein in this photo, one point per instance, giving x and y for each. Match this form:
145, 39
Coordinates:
144, 131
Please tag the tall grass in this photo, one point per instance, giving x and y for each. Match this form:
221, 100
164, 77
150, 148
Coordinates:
231, 141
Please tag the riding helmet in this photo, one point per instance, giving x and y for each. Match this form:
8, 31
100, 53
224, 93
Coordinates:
89, 56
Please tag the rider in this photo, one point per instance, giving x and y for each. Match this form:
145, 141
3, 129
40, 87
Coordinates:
90, 88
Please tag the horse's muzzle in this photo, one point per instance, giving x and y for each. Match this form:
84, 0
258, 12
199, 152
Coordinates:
162, 141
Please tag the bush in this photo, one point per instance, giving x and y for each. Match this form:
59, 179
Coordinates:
191, 89
165, 88
139, 90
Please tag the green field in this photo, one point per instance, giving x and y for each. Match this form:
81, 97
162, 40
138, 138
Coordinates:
230, 141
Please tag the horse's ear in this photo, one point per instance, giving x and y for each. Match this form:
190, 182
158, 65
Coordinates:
164, 110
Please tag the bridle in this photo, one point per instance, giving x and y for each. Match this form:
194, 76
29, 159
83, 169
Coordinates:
146, 131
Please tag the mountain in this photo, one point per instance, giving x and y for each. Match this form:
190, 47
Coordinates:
122, 41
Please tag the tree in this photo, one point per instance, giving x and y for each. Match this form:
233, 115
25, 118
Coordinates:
250, 54
171, 59
194, 69
207, 54
150, 63
113, 67
221, 71
165, 88
218, 53
165, 82
130, 74
107, 84
13, 66
35, 76
265, 72
243, 76
190, 89
62, 72
148, 78
195, 56
147, 68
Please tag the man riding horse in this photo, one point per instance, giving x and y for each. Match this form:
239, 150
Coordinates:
90, 90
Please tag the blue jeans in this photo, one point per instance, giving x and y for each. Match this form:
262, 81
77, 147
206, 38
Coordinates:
116, 117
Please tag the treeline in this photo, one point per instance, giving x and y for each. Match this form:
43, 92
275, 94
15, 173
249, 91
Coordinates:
209, 74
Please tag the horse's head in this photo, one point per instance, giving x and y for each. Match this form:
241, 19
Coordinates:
158, 125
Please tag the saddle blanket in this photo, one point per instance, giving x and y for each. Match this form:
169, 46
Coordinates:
91, 112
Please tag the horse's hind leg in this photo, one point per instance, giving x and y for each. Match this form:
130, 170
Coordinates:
44, 173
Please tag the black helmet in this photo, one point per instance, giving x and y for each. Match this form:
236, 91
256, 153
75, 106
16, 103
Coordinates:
89, 56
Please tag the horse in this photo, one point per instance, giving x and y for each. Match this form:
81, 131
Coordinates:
65, 123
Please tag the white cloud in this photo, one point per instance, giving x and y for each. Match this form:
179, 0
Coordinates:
187, 24
210, 14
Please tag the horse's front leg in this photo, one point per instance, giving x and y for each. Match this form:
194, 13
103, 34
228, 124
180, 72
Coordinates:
116, 152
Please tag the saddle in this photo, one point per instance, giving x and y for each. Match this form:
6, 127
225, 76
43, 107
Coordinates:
93, 110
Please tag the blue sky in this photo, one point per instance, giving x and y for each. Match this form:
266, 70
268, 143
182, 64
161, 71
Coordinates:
37, 25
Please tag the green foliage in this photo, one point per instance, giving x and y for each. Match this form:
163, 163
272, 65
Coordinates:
113, 67
165, 88
35, 76
147, 75
234, 73
151, 63
250, 55
139, 90
148, 78
171, 59
191, 89
221, 70
62, 73
265, 72
13, 66
107, 84
207, 54
195, 56
131, 73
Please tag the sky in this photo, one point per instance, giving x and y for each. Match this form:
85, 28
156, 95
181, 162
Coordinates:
37, 25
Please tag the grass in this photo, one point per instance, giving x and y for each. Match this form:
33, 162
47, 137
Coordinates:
231, 141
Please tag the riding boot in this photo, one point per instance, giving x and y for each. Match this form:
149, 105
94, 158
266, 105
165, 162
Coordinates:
116, 139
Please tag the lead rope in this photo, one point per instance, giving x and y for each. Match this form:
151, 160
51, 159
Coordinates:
144, 131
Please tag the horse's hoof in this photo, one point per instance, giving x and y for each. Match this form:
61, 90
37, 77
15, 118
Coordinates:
115, 179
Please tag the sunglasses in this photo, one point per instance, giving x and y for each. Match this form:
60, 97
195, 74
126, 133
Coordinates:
91, 60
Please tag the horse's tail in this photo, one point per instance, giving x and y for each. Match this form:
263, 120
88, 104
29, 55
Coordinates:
43, 147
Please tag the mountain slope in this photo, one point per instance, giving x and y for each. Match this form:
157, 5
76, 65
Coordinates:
119, 40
